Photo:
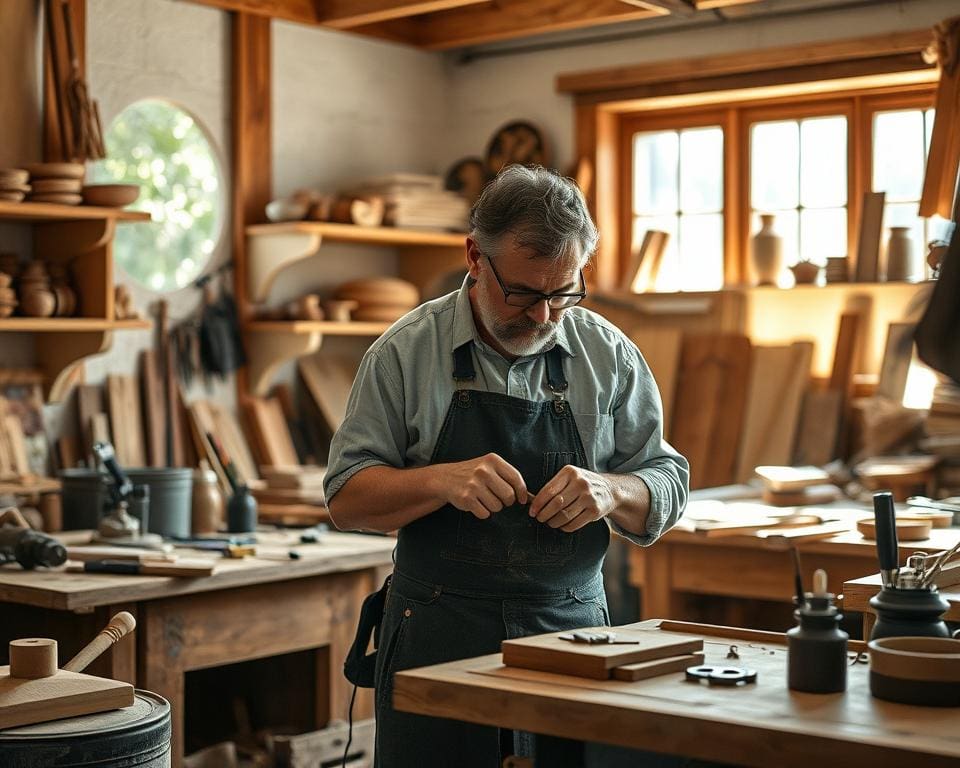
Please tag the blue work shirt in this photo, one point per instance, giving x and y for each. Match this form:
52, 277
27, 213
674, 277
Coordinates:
405, 384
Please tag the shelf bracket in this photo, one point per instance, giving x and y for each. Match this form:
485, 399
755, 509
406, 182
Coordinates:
268, 255
60, 355
268, 351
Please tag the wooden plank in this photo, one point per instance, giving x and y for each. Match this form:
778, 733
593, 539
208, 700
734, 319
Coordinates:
154, 408
895, 366
90, 401
16, 443
845, 353
328, 382
499, 21
125, 424
661, 347
99, 429
868, 239
274, 436
641, 274
783, 56
818, 428
943, 159
644, 670
778, 378
347, 14
229, 432
709, 407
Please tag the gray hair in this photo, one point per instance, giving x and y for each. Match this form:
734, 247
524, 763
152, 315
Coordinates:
544, 211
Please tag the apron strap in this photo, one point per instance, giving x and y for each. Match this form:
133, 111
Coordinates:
463, 369
555, 378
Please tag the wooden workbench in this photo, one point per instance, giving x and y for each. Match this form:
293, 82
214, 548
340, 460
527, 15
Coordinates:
684, 563
857, 594
248, 609
763, 724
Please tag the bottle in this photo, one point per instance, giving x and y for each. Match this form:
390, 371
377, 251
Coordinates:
767, 252
817, 647
206, 501
242, 511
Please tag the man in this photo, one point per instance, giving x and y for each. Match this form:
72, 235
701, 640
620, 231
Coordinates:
502, 431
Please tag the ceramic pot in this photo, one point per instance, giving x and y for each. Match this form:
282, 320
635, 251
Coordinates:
899, 254
38, 303
805, 272
767, 252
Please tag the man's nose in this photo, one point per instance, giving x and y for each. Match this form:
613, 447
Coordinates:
539, 312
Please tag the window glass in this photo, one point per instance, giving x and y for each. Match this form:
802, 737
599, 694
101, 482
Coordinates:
678, 188
161, 147
798, 173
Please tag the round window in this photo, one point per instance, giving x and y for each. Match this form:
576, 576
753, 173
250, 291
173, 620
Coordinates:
161, 147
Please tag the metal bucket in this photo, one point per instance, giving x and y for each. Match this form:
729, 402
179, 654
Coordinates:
84, 495
133, 737
171, 490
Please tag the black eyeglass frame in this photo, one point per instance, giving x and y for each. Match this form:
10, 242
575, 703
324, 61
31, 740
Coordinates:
534, 297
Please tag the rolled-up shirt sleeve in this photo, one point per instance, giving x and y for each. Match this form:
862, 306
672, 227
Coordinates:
373, 431
640, 449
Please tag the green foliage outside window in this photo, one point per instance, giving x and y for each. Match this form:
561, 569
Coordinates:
160, 147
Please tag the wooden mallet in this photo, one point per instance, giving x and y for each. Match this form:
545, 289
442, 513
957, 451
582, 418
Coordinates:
120, 625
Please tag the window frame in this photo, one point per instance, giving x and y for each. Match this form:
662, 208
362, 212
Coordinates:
736, 118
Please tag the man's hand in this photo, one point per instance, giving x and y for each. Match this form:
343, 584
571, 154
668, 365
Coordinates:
484, 486
572, 498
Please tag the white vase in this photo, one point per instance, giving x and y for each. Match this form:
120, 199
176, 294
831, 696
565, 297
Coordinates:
899, 254
767, 252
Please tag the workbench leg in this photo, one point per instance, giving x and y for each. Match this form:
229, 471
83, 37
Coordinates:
343, 628
160, 670
554, 752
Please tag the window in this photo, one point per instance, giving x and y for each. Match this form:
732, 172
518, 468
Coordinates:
705, 175
162, 148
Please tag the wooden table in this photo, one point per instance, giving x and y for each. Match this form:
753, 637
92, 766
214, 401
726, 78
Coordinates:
857, 594
685, 563
248, 609
758, 725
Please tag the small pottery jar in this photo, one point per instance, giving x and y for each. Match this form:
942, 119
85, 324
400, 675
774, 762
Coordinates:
339, 310
805, 272
38, 303
899, 254
206, 502
767, 252
242, 511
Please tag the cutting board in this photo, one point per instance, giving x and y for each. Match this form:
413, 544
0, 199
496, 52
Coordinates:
66, 694
549, 653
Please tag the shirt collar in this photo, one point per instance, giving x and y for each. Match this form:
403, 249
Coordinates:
465, 329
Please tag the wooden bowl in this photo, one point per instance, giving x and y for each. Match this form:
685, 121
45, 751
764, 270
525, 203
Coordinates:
110, 195
56, 186
11, 197
907, 529
58, 198
916, 670
13, 178
391, 291
55, 170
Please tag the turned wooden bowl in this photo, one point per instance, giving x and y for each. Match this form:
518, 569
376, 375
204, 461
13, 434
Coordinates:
916, 670
110, 195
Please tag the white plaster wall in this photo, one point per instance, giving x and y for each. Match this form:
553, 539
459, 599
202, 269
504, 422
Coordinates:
488, 92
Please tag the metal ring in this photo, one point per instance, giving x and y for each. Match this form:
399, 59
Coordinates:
560, 497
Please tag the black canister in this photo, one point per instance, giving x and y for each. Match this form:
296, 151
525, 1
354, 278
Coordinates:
242, 511
817, 647
909, 613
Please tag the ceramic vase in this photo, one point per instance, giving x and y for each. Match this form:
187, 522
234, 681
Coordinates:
899, 254
767, 252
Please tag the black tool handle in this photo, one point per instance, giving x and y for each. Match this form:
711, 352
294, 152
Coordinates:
111, 566
885, 519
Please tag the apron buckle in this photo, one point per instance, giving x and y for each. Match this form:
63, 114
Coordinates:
559, 402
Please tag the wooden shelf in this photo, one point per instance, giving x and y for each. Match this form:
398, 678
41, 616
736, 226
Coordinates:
328, 327
28, 211
271, 248
69, 324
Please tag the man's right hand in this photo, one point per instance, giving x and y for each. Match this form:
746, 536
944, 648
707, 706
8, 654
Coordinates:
484, 485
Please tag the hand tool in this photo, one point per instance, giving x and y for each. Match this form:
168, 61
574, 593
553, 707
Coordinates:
597, 638
121, 624
887, 553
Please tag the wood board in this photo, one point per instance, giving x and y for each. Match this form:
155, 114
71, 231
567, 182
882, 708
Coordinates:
230, 434
644, 670
90, 402
123, 401
154, 409
299, 478
868, 239
897, 354
65, 694
641, 274
273, 436
21, 396
184, 567
709, 407
548, 653
778, 378
328, 381
661, 348
16, 444
818, 428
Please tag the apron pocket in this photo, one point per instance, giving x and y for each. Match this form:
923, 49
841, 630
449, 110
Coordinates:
552, 543
386, 668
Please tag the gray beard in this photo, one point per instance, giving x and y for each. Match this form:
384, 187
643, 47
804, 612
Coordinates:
521, 336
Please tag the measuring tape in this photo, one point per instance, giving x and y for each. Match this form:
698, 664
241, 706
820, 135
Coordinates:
720, 675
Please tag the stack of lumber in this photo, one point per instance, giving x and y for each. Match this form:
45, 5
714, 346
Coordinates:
416, 201
943, 421
714, 519
796, 486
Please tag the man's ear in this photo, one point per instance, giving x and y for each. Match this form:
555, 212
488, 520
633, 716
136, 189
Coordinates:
473, 258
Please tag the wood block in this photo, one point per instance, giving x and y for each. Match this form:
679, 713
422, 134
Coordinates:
302, 478
802, 497
661, 347
818, 428
549, 653
328, 382
785, 479
154, 408
644, 670
123, 400
868, 240
897, 355
66, 694
710, 403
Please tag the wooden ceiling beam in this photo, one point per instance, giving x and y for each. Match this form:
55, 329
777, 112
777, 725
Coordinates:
347, 14
501, 21
684, 8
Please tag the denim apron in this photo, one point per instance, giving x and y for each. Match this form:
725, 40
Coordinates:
463, 585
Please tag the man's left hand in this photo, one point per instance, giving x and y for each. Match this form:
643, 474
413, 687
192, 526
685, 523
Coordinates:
573, 498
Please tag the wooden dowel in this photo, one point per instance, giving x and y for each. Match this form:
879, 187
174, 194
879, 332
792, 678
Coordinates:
120, 625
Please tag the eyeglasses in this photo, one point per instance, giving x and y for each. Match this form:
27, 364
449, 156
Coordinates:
526, 299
